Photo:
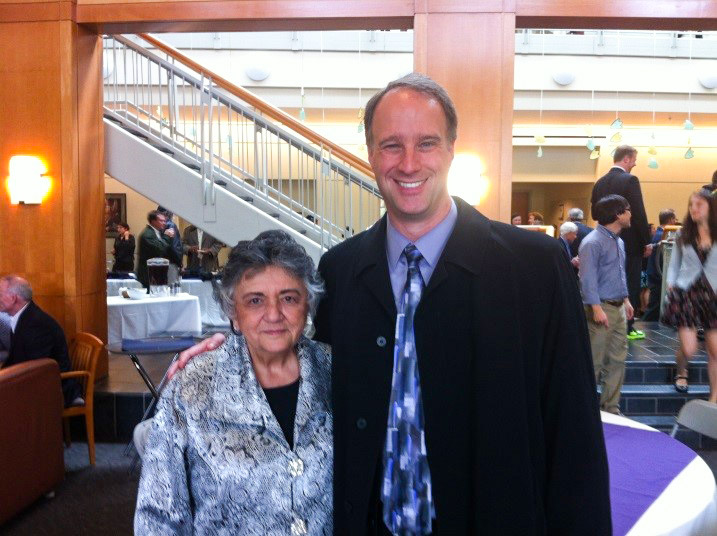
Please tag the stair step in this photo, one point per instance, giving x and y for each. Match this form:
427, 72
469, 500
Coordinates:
275, 215
663, 372
191, 165
247, 198
163, 149
220, 182
138, 134
661, 422
111, 118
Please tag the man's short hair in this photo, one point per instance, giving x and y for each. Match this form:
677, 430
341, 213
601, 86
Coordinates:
623, 151
576, 214
608, 208
18, 286
514, 216
420, 83
667, 215
568, 227
152, 215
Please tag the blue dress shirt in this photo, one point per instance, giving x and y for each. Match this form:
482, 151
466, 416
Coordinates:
430, 245
602, 267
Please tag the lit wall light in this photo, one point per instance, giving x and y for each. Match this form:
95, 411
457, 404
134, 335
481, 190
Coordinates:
465, 179
27, 183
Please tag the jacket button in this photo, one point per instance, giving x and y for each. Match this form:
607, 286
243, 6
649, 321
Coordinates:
348, 507
361, 423
381, 341
296, 467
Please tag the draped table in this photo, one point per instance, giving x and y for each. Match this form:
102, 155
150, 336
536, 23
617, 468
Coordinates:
113, 285
212, 314
658, 486
148, 317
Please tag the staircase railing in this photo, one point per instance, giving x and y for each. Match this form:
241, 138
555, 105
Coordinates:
235, 140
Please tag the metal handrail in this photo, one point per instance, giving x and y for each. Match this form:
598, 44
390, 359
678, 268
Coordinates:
265, 107
312, 185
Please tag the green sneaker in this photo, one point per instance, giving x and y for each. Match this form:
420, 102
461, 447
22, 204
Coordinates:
635, 335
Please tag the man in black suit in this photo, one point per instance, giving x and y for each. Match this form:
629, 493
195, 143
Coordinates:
577, 216
35, 334
620, 181
513, 437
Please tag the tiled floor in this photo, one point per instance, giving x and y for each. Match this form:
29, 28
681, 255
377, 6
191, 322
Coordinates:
659, 345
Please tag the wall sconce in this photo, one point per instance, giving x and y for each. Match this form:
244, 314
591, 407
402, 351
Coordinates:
27, 183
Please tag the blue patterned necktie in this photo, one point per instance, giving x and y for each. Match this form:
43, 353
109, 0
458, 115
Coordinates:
406, 491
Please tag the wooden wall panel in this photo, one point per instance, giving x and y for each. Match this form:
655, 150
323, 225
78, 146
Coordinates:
482, 93
51, 107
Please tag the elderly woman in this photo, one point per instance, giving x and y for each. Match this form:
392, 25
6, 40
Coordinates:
241, 442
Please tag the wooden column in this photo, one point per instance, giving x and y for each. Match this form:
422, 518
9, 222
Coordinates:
471, 55
51, 95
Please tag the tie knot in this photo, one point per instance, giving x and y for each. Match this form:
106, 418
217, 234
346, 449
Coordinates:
412, 255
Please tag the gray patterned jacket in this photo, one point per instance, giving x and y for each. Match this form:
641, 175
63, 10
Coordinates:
217, 461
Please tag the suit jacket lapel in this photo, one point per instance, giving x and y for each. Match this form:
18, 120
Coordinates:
372, 266
466, 245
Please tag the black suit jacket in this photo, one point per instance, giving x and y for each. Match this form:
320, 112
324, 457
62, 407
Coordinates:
583, 231
38, 335
513, 432
619, 181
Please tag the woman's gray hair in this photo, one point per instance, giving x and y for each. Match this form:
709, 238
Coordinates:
269, 248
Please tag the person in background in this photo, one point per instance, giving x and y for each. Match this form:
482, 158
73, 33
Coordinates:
568, 234
604, 288
155, 241
35, 334
653, 271
123, 249
176, 253
535, 218
577, 216
692, 287
516, 219
241, 443
618, 180
202, 250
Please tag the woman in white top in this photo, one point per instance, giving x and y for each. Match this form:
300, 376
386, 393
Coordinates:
692, 285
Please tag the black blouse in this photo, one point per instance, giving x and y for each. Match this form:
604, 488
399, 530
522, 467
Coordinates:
282, 401
124, 254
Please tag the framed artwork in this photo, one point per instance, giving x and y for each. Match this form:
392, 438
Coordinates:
115, 212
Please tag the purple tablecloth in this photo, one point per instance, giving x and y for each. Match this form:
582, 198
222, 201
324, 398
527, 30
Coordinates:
642, 464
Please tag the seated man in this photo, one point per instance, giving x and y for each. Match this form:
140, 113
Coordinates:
35, 334
4, 336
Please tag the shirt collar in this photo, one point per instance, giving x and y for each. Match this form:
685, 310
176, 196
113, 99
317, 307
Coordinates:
605, 230
16, 317
430, 244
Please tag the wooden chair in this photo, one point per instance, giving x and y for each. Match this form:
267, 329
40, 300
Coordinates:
84, 352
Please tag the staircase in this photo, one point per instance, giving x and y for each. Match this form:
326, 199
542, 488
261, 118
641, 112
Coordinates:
223, 159
648, 395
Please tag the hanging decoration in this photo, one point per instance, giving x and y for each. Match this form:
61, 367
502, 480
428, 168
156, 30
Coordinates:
651, 150
539, 137
688, 124
361, 110
302, 112
617, 122
589, 129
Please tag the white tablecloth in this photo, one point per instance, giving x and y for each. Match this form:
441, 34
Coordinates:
212, 314
687, 506
138, 319
113, 285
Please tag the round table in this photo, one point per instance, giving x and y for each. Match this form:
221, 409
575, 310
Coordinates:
658, 486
